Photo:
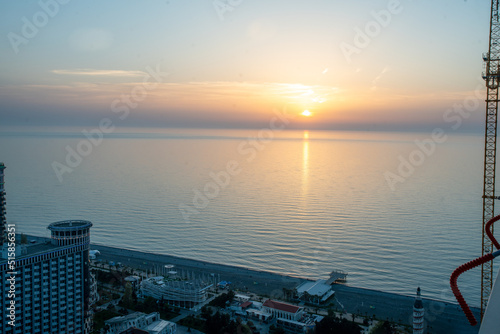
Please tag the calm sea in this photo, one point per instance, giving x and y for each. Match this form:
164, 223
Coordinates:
293, 202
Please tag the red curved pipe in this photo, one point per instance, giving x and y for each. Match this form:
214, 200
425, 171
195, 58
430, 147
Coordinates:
472, 264
487, 229
454, 287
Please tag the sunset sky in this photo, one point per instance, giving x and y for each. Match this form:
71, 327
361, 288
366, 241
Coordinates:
359, 64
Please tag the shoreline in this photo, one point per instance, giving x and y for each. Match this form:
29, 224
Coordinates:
241, 278
440, 316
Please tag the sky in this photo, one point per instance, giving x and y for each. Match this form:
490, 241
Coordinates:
354, 65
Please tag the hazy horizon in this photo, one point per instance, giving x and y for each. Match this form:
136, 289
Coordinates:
363, 65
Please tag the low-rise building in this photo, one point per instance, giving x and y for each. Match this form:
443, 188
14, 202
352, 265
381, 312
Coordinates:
307, 324
316, 292
150, 323
181, 293
291, 318
283, 310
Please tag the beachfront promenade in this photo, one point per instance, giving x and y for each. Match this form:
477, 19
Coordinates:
440, 317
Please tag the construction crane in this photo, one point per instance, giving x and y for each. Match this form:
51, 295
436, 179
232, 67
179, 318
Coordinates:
491, 75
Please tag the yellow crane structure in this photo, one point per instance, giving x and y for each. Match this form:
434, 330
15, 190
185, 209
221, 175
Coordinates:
491, 75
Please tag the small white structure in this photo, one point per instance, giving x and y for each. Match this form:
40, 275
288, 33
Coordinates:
319, 291
241, 298
148, 322
93, 254
418, 314
259, 315
306, 325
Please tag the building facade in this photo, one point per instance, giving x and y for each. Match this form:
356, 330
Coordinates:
180, 293
283, 310
149, 323
3, 221
47, 287
291, 318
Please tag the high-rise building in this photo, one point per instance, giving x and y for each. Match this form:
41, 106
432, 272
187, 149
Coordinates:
45, 285
3, 221
418, 314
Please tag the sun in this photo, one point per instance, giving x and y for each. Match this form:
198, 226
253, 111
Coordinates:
306, 113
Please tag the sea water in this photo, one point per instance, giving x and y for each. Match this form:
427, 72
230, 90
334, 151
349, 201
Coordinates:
393, 210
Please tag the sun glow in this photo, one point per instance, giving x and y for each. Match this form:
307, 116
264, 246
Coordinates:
306, 113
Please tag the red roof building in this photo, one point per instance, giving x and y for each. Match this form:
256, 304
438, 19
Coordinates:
282, 310
245, 304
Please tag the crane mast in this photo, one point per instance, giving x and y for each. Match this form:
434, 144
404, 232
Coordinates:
491, 75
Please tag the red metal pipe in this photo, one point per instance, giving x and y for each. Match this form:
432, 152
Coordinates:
487, 228
454, 287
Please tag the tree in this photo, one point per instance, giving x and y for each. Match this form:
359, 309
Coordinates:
335, 325
217, 323
383, 328
134, 297
150, 305
128, 299
223, 299
306, 296
287, 293
276, 330
24, 239
206, 312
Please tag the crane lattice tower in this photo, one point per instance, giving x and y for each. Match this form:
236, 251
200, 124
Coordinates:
491, 75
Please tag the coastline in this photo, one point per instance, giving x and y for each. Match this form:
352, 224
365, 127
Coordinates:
440, 316
260, 282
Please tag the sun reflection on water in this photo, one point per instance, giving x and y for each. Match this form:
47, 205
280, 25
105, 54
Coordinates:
305, 165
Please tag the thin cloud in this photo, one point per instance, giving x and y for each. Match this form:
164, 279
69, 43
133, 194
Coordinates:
104, 73
170, 93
